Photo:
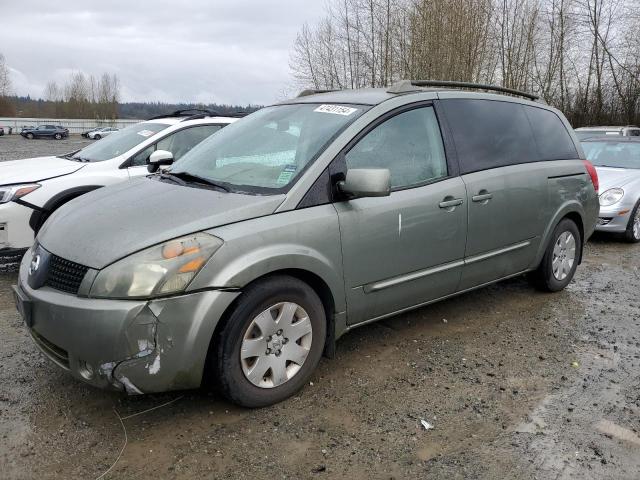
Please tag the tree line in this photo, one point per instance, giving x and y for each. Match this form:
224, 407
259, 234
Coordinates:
581, 56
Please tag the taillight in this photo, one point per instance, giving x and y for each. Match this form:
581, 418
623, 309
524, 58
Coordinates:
593, 174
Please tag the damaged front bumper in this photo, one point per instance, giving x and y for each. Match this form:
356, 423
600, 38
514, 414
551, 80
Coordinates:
140, 346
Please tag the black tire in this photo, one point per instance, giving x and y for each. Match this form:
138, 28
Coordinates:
29, 136
257, 298
57, 136
543, 278
629, 235
97, 137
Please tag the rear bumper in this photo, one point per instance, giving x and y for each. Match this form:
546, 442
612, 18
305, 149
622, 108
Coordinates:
138, 346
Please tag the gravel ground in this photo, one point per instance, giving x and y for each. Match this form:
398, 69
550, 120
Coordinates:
14, 147
516, 383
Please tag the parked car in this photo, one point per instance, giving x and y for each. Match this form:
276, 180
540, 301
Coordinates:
268, 241
32, 189
86, 133
617, 160
45, 131
101, 132
627, 131
1, 131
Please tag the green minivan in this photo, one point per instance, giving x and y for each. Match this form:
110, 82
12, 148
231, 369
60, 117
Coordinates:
240, 264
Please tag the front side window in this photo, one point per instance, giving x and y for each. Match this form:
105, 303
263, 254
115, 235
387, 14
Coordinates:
266, 151
613, 154
409, 145
119, 142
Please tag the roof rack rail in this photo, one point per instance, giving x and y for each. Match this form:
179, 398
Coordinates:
404, 86
185, 113
204, 115
313, 91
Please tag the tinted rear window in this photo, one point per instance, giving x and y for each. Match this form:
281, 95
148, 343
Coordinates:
552, 138
491, 133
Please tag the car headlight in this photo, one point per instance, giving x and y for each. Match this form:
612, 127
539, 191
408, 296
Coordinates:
611, 196
156, 271
14, 192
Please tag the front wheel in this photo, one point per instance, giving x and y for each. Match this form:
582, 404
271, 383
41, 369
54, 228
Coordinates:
57, 136
632, 234
271, 343
560, 260
30, 136
97, 137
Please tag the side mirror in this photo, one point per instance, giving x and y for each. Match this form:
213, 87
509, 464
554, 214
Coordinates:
159, 158
366, 182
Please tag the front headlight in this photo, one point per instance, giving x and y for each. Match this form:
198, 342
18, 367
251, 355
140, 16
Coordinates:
611, 196
159, 270
14, 192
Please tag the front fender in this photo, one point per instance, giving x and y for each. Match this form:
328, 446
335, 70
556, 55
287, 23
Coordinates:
306, 240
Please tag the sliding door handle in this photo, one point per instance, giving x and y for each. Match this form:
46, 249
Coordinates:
482, 197
454, 202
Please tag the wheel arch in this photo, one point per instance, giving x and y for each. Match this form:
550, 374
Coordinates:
574, 212
39, 216
313, 280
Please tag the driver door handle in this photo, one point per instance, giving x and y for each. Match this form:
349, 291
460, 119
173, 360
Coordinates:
450, 203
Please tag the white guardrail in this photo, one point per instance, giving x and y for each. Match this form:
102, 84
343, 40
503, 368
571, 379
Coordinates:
75, 125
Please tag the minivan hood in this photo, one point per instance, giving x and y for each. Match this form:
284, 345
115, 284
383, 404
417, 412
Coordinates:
105, 225
615, 177
36, 169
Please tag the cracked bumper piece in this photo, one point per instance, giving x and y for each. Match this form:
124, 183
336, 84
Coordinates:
131, 345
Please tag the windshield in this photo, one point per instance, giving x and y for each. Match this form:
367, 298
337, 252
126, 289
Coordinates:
613, 154
118, 142
266, 151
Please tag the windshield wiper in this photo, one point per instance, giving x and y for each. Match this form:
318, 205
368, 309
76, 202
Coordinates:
191, 178
173, 178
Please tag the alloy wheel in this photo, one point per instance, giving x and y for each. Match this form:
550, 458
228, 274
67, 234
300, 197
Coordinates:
564, 255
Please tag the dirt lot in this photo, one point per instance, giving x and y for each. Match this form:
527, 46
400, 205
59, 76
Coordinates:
517, 384
14, 147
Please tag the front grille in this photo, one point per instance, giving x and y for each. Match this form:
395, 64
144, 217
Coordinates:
65, 275
54, 352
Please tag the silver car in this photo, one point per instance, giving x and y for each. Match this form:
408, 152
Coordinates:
617, 160
258, 249
627, 131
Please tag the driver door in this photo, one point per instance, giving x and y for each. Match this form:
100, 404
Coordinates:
405, 249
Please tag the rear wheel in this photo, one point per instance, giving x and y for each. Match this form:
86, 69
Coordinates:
271, 343
560, 260
632, 234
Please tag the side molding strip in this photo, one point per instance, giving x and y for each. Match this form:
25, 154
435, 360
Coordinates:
377, 286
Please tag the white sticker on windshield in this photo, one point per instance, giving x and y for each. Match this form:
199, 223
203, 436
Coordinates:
335, 109
145, 133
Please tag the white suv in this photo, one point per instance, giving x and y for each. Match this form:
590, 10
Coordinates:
32, 189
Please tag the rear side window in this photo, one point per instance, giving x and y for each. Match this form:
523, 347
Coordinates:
552, 138
490, 133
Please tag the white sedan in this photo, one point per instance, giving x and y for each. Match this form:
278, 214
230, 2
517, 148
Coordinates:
31, 189
101, 132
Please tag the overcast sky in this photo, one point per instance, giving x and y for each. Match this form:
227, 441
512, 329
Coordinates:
224, 51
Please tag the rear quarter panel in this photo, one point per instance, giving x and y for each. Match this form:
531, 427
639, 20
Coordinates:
570, 191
